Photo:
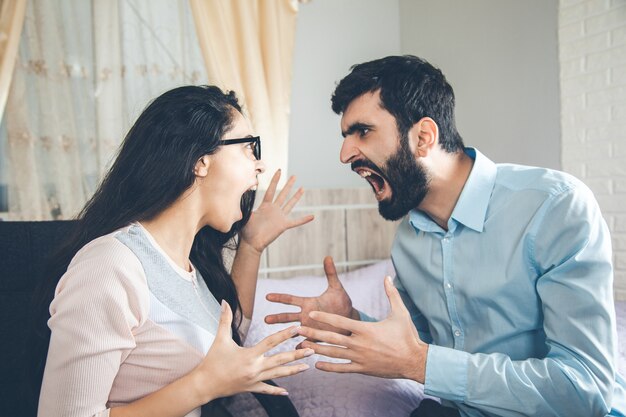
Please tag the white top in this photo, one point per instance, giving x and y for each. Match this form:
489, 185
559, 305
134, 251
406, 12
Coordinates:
113, 341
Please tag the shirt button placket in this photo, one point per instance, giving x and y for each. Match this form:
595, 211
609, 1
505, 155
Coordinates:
446, 246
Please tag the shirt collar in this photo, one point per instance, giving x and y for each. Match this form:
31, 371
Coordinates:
471, 208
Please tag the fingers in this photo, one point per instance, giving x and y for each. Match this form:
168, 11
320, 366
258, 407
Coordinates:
337, 321
275, 339
282, 371
397, 305
300, 345
337, 352
282, 196
271, 189
286, 357
331, 273
283, 318
324, 336
263, 388
226, 318
285, 299
338, 367
293, 200
301, 221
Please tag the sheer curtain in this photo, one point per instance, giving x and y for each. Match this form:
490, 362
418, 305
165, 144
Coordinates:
84, 72
49, 115
247, 46
11, 21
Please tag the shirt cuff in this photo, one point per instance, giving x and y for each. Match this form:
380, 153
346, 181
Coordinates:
446, 373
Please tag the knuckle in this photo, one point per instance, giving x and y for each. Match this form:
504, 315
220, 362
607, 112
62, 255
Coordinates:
250, 375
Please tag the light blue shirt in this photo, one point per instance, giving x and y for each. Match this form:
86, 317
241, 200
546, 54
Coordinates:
516, 297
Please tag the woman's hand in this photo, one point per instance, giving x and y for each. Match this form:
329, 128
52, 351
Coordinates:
271, 219
334, 300
228, 369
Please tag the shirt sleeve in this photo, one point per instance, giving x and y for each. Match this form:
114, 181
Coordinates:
99, 302
569, 250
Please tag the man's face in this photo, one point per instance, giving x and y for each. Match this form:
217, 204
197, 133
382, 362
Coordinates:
375, 151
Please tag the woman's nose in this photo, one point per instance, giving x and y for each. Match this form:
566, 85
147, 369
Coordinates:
260, 166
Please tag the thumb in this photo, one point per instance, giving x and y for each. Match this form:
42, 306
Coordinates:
226, 319
331, 273
397, 305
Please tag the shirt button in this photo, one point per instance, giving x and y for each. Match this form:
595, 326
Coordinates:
448, 285
457, 333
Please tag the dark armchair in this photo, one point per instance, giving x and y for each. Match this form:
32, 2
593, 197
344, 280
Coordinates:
24, 247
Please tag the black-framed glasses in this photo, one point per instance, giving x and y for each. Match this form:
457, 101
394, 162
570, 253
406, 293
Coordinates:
254, 140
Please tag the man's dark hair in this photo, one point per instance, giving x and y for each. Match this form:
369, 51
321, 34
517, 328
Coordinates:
410, 89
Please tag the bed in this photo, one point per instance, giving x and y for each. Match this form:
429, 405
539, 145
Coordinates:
317, 394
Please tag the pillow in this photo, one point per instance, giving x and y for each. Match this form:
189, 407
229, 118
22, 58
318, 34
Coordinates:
316, 393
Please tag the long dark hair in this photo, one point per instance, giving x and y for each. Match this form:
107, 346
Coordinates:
154, 166
410, 89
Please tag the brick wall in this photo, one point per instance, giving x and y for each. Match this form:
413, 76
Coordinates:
592, 54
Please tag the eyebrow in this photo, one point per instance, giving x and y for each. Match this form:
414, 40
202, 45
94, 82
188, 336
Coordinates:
354, 127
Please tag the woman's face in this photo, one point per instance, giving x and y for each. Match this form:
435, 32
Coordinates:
232, 171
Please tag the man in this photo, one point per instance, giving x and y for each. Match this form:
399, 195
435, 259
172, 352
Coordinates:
504, 298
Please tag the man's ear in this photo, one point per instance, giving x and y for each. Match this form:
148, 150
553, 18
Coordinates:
201, 169
423, 136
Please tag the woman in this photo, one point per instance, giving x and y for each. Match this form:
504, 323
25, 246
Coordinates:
136, 326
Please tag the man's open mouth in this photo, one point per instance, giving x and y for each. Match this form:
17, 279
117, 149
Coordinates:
376, 181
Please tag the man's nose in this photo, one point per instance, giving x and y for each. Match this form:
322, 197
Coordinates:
348, 150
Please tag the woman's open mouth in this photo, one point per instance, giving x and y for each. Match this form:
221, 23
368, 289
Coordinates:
377, 182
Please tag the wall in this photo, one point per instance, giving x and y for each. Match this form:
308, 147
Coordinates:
331, 36
592, 38
500, 56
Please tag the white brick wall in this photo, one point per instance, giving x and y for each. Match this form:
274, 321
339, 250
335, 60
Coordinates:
592, 54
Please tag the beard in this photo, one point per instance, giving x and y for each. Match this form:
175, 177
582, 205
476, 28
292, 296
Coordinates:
406, 177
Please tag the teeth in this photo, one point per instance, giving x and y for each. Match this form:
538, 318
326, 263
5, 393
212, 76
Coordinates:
253, 188
365, 174
379, 192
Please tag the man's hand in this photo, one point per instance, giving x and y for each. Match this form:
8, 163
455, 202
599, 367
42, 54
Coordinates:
334, 300
389, 349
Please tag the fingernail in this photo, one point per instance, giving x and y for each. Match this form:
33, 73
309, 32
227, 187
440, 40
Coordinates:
294, 330
223, 306
284, 393
388, 278
303, 367
308, 352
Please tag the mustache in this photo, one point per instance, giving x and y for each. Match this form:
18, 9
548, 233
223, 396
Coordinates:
365, 163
